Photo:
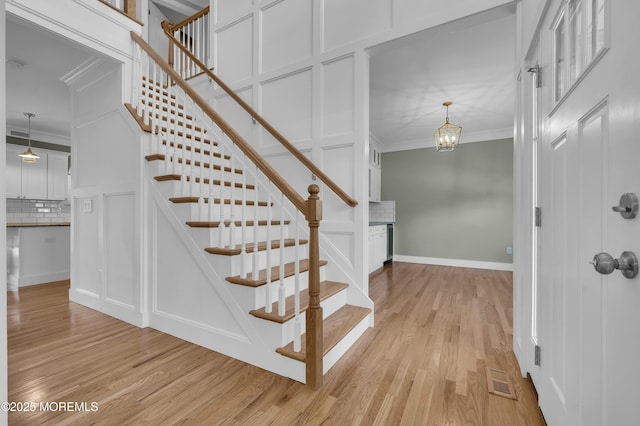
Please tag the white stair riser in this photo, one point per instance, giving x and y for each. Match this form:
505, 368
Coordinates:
209, 237
236, 262
254, 297
282, 333
175, 188
188, 212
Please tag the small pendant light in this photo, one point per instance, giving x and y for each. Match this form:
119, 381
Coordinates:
29, 156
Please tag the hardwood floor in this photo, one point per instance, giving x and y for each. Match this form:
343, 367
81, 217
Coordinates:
437, 329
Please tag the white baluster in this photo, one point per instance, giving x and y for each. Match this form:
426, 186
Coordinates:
243, 272
256, 256
297, 326
232, 226
281, 289
268, 306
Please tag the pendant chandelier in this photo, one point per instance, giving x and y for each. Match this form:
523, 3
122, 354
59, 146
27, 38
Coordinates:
29, 156
447, 137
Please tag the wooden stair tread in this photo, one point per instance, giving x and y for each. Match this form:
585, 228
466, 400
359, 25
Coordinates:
289, 270
205, 224
182, 200
334, 328
327, 289
176, 177
159, 157
262, 246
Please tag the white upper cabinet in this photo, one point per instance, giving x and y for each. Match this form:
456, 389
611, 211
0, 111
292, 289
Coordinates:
46, 179
57, 170
13, 171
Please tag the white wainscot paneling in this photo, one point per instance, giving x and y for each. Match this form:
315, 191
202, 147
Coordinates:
235, 115
107, 150
121, 248
292, 170
346, 21
183, 291
225, 8
338, 97
286, 104
285, 40
234, 51
344, 242
338, 163
86, 248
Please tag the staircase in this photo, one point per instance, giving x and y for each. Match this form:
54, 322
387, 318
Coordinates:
243, 223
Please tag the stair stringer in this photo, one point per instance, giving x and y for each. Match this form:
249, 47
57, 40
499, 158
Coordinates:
245, 343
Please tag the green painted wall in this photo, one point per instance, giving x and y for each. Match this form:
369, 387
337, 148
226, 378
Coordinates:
452, 205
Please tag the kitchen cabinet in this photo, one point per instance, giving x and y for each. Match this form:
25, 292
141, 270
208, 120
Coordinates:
25, 180
57, 171
377, 246
37, 254
45, 179
13, 171
375, 184
375, 174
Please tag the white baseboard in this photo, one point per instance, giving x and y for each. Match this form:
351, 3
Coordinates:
460, 263
33, 279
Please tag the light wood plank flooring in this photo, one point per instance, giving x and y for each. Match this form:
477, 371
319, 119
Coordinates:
437, 328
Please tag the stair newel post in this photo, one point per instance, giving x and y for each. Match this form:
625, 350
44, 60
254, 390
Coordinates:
168, 26
267, 289
314, 368
136, 80
130, 8
243, 272
297, 327
150, 94
256, 217
281, 289
155, 147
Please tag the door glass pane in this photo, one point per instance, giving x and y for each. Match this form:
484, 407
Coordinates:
560, 61
595, 27
576, 41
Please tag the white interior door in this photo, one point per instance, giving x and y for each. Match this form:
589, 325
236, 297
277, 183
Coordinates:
589, 324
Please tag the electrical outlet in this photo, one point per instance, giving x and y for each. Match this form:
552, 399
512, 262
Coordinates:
87, 206
509, 250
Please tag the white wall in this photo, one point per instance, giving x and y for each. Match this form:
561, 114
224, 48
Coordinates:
106, 271
304, 66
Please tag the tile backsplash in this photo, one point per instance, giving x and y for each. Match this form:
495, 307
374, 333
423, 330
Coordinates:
384, 211
39, 211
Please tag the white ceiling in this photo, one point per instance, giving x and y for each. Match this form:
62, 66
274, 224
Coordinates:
469, 62
36, 86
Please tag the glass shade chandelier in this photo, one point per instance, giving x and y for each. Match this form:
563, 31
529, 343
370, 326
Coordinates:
447, 137
29, 156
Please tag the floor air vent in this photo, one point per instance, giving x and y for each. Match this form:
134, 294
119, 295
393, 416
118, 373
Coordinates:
499, 383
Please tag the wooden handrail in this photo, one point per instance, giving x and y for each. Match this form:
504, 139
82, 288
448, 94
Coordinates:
190, 19
288, 145
288, 191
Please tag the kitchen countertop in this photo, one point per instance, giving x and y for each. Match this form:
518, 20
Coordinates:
33, 224
380, 223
